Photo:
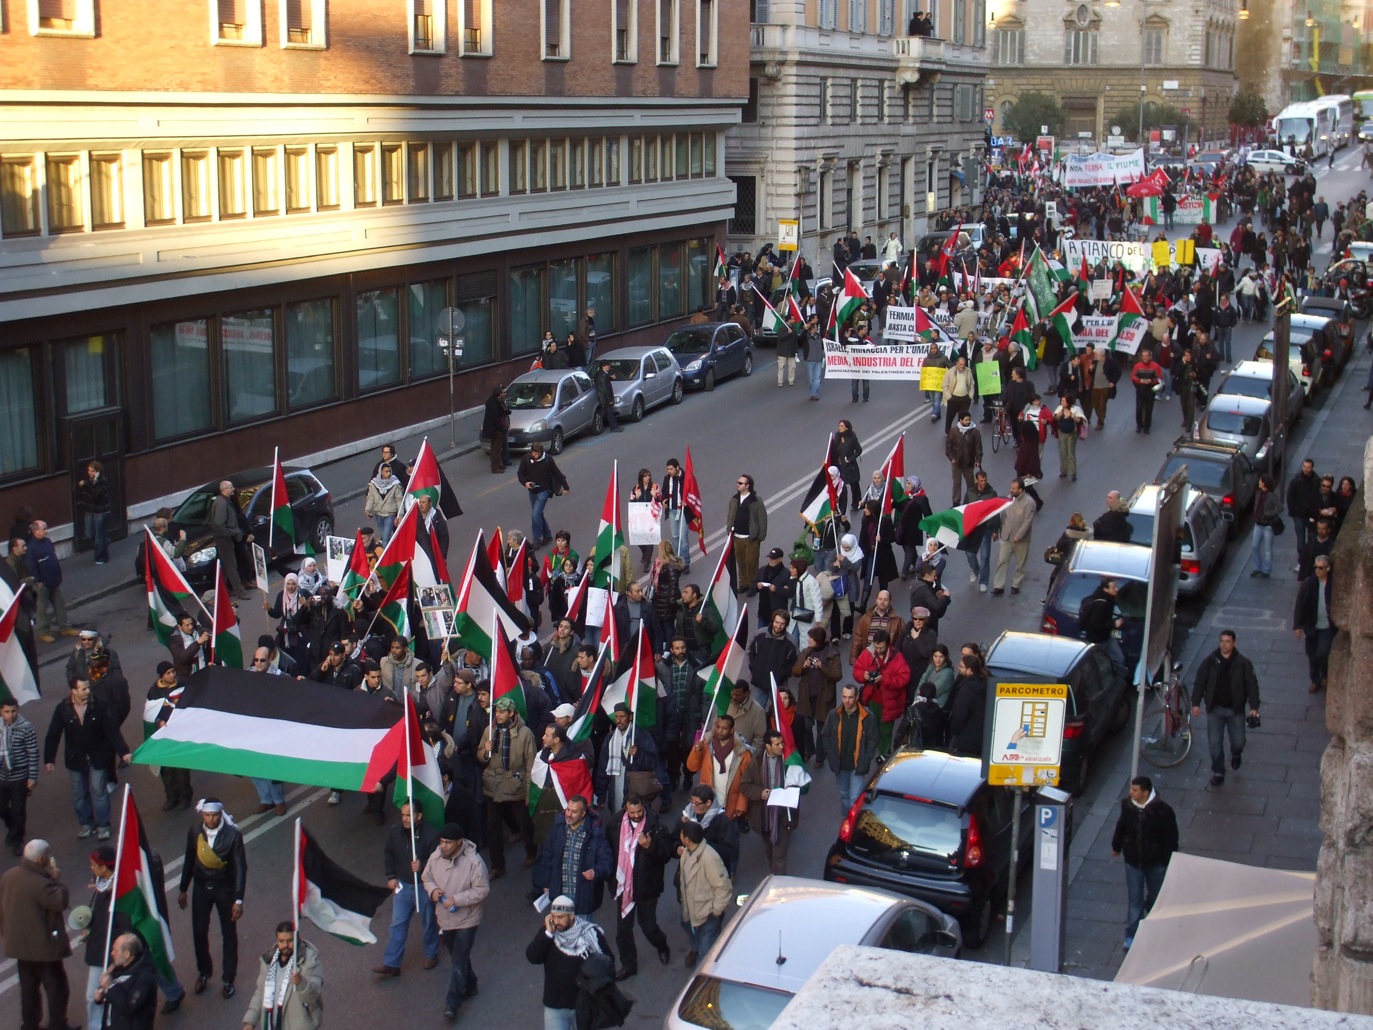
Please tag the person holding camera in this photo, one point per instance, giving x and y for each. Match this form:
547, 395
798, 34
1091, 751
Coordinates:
1227, 685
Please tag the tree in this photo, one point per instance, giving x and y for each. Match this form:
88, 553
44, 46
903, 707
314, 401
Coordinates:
1248, 110
1156, 116
1031, 113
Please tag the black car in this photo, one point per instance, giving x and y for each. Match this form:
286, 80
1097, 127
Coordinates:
1098, 696
929, 826
310, 502
1222, 470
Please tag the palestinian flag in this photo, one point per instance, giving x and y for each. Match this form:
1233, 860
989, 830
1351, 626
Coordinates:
429, 566
164, 580
931, 331
152, 708
569, 778
358, 571
1131, 325
1040, 295
1084, 278
428, 480
610, 635
954, 525
18, 673
947, 250
894, 476
609, 539
331, 897
579, 729
773, 322
637, 686
283, 519
138, 895
849, 300
505, 671
240, 723
720, 678
226, 643
822, 499
417, 770
399, 551
395, 606
480, 598
495, 554
795, 774
576, 603
515, 578
796, 286
722, 595
721, 265
691, 502
1063, 318
1020, 334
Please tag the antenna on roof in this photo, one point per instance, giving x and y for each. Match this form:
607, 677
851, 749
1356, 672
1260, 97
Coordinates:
781, 959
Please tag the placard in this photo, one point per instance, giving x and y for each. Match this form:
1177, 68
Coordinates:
1137, 257
440, 595
897, 361
260, 567
1099, 290
1102, 169
932, 378
988, 378
1096, 329
643, 525
900, 324
338, 549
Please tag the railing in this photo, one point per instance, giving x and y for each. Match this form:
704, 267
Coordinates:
767, 37
918, 48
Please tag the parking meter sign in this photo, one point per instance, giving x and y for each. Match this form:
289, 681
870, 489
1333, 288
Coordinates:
1025, 748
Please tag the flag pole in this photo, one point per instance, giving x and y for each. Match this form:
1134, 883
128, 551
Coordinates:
615, 513
633, 688
377, 613
411, 716
114, 882
271, 520
295, 895
214, 619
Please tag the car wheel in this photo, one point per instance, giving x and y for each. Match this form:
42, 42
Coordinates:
1124, 711
978, 926
1291, 169
747, 370
598, 423
709, 383
636, 413
555, 445
678, 392
1084, 766
320, 533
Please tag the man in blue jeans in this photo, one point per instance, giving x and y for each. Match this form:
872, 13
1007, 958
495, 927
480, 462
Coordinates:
456, 882
541, 477
408, 847
93, 745
1146, 836
848, 744
1227, 684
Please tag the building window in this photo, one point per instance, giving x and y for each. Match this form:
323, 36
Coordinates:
491, 168
303, 23
1080, 46
879, 88
233, 184
1153, 46
612, 161
467, 169
19, 199
883, 193
326, 178
853, 210
960, 21
745, 220
650, 159
700, 263
595, 162
858, 15
107, 191
479, 333
556, 29
180, 363
90, 372
979, 22
443, 170
159, 192
66, 211
18, 411
683, 157
310, 377
750, 112
886, 17
236, 22
825, 200
826, 114
562, 298
636, 159
426, 302
668, 31
706, 30
249, 343
577, 164
600, 291
557, 164
519, 166
417, 172
710, 155
526, 310
1009, 45
378, 338
298, 179
697, 143
671, 298
364, 175
429, 26
624, 30
964, 102
474, 20
196, 202
829, 13
62, 18
392, 173
640, 284
538, 165
266, 182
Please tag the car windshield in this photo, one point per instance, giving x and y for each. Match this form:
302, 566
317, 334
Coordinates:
689, 341
1141, 525
891, 827
866, 269
624, 370
524, 396
195, 510
1234, 423
1130, 601
726, 1005
1247, 386
1209, 476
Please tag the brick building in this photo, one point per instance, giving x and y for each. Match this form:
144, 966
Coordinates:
227, 225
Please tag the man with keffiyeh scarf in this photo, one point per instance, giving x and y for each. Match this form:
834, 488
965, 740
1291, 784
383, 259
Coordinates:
560, 945
772, 823
642, 847
290, 986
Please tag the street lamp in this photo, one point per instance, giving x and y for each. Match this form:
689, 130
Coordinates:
1140, 136
452, 322
1244, 10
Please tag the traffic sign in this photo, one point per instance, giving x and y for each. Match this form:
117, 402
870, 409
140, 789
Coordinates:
1026, 746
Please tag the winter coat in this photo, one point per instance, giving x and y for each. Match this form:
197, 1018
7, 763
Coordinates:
768, 654
1242, 678
757, 517
90, 743
464, 882
814, 688
890, 690
896, 629
304, 1006
560, 971
1145, 837
1304, 611
705, 887
967, 714
596, 856
963, 449
701, 761
649, 862
644, 759
753, 786
31, 907
43, 563
1017, 519
847, 451
860, 760
500, 783
379, 503
132, 997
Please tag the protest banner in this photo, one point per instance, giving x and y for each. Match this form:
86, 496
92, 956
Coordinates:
900, 324
1096, 329
932, 378
901, 361
988, 378
1137, 257
1102, 169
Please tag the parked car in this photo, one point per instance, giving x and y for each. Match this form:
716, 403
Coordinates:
1221, 470
867, 272
969, 239
1303, 356
1277, 161
1090, 562
1099, 698
551, 406
771, 947
709, 352
1204, 533
1247, 423
312, 508
1255, 379
1353, 269
930, 827
644, 377
1340, 327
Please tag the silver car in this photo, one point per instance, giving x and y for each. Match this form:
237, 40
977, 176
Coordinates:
1204, 534
551, 406
1246, 423
1255, 379
643, 377
787, 927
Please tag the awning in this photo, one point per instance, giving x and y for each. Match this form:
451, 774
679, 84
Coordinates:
959, 176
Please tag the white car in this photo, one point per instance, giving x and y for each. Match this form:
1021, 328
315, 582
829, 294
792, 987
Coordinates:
1277, 161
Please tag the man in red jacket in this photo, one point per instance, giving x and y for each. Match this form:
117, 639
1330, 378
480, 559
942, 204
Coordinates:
1146, 374
883, 674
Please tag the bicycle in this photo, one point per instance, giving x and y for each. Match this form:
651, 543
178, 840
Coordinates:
1166, 734
1001, 426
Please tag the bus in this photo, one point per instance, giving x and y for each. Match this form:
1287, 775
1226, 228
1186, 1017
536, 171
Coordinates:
1341, 107
1363, 105
1325, 124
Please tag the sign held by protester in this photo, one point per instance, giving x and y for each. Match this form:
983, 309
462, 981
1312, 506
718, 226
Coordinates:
1137, 257
891, 362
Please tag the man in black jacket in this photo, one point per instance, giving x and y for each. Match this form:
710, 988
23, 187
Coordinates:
1227, 684
218, 864
1303, 503
605, 393
540, 475
93, 742
1311, 619
642, 847
408, 847
1113, 524
1146, 835
129, 986
1098, 621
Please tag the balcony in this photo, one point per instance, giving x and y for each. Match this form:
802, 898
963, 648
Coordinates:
920, 60
767, 37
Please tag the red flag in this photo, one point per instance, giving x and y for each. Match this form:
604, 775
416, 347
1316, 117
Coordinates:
691, 502
514, 582
609, 635
893, 469
505, 671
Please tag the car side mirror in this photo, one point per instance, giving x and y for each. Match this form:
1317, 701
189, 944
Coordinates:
650, 375
944, 939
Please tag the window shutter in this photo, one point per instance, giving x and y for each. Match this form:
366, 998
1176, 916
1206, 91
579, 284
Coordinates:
472, 14
231, 12
298, 13
59, 10
553, 20
423, 8
622, 15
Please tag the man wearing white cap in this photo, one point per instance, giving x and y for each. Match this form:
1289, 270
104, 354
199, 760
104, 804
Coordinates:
564, 715
564, 940
216, 861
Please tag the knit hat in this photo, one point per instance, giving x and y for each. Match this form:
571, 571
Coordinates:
451, 831
563, 905
163, 668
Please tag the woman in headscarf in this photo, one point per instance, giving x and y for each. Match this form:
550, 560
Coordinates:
877, 535
291, 613
384, 492
908, 532
847, 565
310, 578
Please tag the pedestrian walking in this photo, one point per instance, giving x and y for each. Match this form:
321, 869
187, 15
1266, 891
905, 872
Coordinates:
643, 847
506, 754
603, 379
290, 984
1303, 504
543, 479
384, 493
848, 744
705, 890
575, 860
18, 772
1147, 376
408, 847
46, 570
1267, 519
957, 392
456, 883
1068, 422
1015, 525
963, 448
1146, 836
215, 870
228, 529
1226, 684
561, 945
1311, 620
127, 989
496, 427
92, 744
747, 519
32, 900
773, 824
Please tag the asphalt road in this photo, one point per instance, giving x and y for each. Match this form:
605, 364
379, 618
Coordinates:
746, 425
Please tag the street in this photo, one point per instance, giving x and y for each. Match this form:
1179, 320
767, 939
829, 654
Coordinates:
748, 425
